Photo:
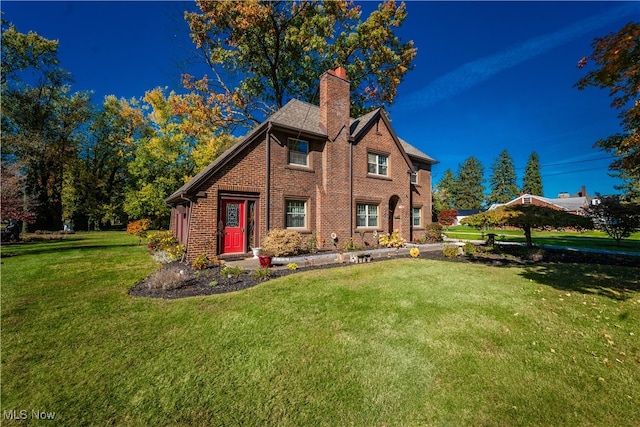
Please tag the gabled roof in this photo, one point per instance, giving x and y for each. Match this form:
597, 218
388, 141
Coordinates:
297, 116
570, 204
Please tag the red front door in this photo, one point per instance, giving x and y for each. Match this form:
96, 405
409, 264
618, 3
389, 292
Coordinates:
233, 219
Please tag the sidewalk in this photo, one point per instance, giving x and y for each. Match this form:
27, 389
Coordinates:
331, 258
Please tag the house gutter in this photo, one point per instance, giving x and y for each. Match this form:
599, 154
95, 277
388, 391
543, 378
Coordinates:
350, 187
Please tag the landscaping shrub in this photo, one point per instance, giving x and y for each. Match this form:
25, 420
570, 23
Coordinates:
292, 266
469, 249
281, 242
139, 228
414, 252
450, 251
262, 273
350, 245
311, 243
433, 233
234, 271
201, 262
164, 247
392, 240
166, 279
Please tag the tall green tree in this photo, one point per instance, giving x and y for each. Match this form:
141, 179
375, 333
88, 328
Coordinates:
532, 181
503, 183
42, 121
94, 192
469, 187
444, 192
280, 48
617, 60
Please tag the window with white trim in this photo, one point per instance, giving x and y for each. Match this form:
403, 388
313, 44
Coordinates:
296, 214
416, 217
526, 200
366, 215
377, 164
414, 175
298, 152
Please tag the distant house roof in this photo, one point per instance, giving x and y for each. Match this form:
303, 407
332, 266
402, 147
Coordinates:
297, 116
569, 204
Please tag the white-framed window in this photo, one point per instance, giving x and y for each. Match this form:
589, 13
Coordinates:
296, 214
526, 200
377, 164
416, 217
414, 175
298, 152
366, 215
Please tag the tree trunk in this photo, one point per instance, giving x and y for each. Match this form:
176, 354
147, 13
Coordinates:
527, 236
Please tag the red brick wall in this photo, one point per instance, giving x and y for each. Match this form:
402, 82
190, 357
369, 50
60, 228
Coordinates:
244, 174
374, 189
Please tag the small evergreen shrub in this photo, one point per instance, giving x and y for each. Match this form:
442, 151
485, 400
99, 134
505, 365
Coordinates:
281, 242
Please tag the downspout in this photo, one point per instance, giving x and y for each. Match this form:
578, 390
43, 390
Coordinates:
350, 188
186, 243
267, 191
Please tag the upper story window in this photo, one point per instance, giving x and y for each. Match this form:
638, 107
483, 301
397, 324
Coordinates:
298, 152
526, 200
414, 175
377, 164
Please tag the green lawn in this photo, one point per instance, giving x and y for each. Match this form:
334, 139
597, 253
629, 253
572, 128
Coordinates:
587, 239
405, 342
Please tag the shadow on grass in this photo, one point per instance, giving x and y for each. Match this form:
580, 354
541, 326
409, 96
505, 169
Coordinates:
50, 246
619, 283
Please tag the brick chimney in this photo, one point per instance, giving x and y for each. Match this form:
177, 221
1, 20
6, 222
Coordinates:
584, 191
334, 103
334, 196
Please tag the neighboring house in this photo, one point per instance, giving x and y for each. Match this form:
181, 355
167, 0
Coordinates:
575, 204
311, 169
463, 213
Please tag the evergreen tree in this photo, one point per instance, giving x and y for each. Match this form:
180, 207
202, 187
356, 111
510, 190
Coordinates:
503, 181
469, 185
445, 190
532, 182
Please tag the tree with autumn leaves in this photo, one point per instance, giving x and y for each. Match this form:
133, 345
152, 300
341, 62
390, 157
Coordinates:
97, 164
261, 54
617, 60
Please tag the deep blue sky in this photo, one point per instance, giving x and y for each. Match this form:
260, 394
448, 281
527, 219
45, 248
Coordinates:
488, 75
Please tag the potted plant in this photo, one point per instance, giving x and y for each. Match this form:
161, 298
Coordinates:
264, 257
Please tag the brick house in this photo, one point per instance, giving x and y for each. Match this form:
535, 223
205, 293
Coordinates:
574, 204
311, 169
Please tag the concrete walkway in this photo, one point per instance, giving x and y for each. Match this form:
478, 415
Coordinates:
331, 258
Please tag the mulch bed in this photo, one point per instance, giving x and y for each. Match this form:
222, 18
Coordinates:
191, 282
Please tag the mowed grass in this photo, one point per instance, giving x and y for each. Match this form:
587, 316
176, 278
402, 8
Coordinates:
408, 342
587, 239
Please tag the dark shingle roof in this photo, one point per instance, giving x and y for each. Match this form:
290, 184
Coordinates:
295, 115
